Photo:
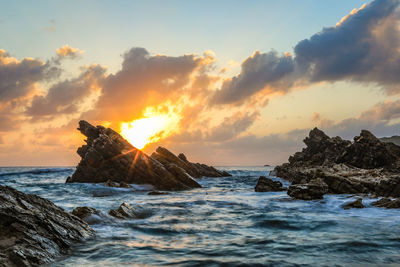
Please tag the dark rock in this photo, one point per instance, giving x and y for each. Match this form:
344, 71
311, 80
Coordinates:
88, 214
33, 231
356, 204
265, 184
365, 166
387, 203
368, 152
108, 156
154, 193
315, 189
110, 183
166, 157
126, 211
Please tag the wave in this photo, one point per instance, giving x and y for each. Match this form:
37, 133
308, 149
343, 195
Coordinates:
37, 171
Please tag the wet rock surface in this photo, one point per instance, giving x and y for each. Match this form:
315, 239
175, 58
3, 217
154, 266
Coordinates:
366, 165
265, 184
387, 203
34, 231
356, 204
315, 189
126, 211
109, 157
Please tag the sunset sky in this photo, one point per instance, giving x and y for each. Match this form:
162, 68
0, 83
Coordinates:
235, 82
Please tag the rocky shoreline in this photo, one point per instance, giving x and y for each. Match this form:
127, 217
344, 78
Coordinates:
333, 165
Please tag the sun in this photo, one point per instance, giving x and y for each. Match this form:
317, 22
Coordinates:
149, 129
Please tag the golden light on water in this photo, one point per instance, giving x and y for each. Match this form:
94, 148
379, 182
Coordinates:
149, 129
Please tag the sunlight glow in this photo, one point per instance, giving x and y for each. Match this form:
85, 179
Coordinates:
149, 129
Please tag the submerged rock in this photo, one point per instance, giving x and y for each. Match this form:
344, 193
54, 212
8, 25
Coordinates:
155, 193
166, 157
88, 214
356, 204
387, 203
315, 189
109, 157
365, 166
126, 211
34, 231
110, 183
265, 184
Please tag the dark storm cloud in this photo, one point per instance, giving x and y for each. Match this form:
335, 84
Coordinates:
364, 46
63, 97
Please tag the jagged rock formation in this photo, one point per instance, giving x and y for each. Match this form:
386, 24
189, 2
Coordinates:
33, 231
366, 165
265, 184
88, 214
197, 170
108, 156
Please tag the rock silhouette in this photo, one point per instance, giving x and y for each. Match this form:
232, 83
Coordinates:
109, 157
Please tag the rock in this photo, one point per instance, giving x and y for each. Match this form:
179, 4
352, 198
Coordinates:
365, 166
368, 152
166, 157
356, 204
108, 156
154, 193
265, 184
110, 183
315, 189
387, 203
88, 214
126, 211
34, 231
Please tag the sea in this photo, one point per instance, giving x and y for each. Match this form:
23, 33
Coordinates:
224, 223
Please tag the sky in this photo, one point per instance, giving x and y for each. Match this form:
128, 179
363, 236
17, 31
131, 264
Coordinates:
235, 82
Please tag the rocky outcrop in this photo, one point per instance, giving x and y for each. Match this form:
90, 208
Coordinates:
356, 204
265, 184
108, 156
368, 152
315, 189
387, 203
394, 139
33, 231
165, 157
366, 165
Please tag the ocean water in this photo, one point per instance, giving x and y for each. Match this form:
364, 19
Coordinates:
225, 223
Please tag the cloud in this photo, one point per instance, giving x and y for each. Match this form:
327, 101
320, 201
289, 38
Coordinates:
146, 80
67, 52
18, 78
232, 126
64, 96
257, 72
363, 47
